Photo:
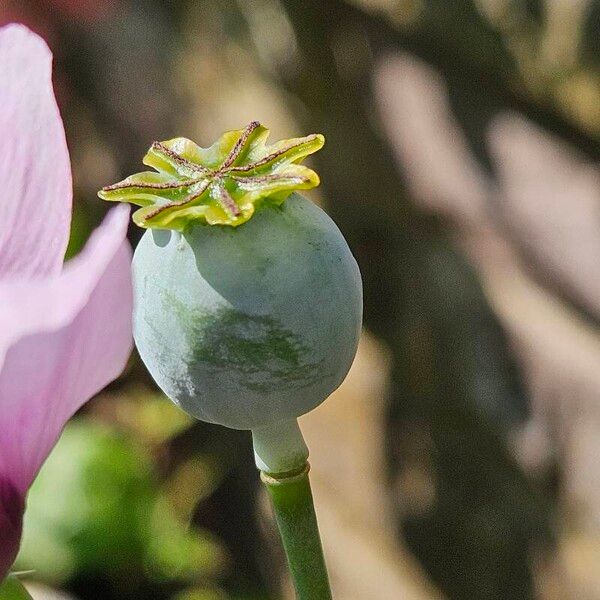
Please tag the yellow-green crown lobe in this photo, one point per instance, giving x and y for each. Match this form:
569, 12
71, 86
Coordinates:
219, 185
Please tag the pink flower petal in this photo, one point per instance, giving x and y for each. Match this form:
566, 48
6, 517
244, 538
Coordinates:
61, 341
35, 173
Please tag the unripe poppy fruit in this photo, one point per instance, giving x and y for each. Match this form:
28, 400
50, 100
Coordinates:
250, 325
245, 325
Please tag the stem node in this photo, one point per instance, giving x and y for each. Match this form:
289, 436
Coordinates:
281, 456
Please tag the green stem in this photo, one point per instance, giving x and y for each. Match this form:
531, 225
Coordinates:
295, 514
281, 456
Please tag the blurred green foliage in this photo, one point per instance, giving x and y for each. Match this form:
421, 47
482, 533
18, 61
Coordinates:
97, 509
12, 589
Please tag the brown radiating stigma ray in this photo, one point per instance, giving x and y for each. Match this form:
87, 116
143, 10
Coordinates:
167, 185
177, 158
271, 157
258, 180
225, 199
186, 200
239, 146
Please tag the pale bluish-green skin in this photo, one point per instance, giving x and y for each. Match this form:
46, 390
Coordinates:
251, 325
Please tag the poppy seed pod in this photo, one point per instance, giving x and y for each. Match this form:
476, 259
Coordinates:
247, 326
251, 325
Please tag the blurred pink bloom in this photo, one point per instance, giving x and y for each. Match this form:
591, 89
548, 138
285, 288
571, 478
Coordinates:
65, 332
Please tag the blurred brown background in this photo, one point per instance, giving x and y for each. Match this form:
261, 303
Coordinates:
461, 458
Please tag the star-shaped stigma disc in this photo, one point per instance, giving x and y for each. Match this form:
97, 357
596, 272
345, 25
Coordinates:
219, 185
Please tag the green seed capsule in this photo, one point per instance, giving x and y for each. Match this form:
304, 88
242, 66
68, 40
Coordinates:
252, 325
248, 301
